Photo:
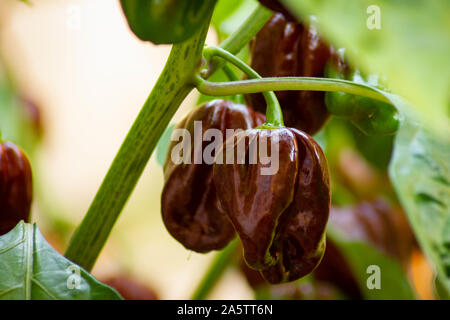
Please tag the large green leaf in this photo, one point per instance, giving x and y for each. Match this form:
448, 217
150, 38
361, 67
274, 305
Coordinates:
411, 48
420, 172
32, 269
394, 283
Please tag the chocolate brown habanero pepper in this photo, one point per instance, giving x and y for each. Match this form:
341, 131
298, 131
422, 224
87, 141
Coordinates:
16, 190
290, 49
190, 208
280, 216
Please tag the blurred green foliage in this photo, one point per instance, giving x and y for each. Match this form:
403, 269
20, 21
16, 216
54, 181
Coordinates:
15, 126
411, 47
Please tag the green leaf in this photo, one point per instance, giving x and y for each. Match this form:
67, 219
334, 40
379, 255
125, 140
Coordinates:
419, 171
163, 145
394, 283
32, 270
411, 48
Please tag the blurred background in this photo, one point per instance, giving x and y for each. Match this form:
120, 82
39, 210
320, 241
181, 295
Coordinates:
88, 75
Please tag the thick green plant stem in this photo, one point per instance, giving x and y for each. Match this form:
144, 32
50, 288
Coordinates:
286, 84
215, 270
172, 87
274, 115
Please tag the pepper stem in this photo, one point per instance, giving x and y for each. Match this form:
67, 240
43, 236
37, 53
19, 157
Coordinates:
274, 116
290, 84
233, 77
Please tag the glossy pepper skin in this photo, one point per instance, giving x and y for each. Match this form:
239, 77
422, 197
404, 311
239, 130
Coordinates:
190, 207
166, 21
290, 49
16, 190
370, 116
376, 223
279, 217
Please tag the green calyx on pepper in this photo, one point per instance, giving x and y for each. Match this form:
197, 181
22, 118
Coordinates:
370, 116
166, 21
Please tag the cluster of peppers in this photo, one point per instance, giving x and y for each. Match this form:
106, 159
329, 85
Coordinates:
280, 218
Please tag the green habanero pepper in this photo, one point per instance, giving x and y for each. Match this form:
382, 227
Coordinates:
370, 116
166, 21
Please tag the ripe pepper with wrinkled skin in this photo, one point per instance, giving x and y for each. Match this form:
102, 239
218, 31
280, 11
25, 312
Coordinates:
16, 189
190, 207
166, 21
280, 217
290, 49
370, 116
